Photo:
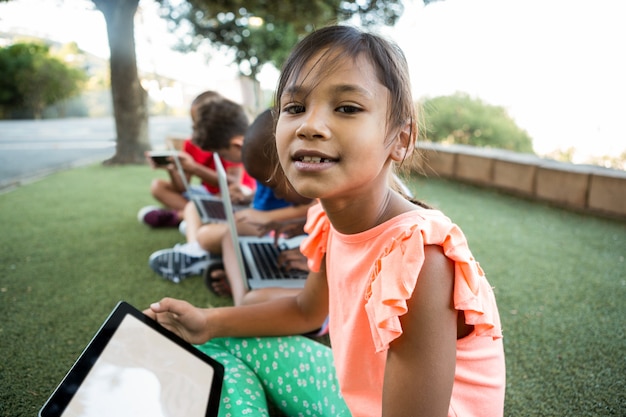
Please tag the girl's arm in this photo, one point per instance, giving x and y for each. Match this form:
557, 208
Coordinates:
234, 174
420, 363
264, 220
284, 316
172, 169
205, 174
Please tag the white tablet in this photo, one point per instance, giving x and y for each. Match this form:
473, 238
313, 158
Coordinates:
135, 367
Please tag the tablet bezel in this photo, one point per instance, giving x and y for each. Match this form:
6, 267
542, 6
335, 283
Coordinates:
68, 387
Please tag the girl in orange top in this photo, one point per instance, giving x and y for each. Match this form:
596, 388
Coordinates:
414, 326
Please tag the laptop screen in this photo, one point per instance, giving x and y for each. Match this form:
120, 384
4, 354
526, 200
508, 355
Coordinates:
139, 371
230, 217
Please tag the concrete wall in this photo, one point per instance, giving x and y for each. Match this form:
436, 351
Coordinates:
584, 188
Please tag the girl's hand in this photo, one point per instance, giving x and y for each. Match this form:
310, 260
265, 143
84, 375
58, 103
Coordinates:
234, 174
187, 163
256, 218
283, 229
291, 259
240, 194
181, 318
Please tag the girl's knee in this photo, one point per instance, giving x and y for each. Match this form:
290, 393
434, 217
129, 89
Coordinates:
159, 185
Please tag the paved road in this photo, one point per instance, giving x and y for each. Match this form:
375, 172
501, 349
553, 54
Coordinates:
30, 149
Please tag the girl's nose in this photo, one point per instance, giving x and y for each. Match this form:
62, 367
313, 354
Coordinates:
314, 125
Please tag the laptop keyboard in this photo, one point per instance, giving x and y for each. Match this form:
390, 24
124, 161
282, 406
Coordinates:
265, 255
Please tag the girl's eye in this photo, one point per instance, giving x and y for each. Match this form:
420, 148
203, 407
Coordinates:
348, 109
293, 108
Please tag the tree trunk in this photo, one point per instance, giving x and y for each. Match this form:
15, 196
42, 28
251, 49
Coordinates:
253, 100
129, 98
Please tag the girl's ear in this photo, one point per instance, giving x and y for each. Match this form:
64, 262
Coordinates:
404, 144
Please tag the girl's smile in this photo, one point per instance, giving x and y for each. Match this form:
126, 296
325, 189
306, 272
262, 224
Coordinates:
313, 161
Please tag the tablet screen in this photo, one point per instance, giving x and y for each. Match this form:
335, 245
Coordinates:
139, 372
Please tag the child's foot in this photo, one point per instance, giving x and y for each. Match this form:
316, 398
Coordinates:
179, 262
158, 217
216, 281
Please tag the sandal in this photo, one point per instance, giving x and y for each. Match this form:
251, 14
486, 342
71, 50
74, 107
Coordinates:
215, 280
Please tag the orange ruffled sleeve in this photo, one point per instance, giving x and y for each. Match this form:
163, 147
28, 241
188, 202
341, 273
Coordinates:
401, 261
314, 246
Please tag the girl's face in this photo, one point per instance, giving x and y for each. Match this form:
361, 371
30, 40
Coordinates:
331, 135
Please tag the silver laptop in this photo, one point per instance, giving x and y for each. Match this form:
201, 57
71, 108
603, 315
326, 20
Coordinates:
134, 367
210, 208
257, 256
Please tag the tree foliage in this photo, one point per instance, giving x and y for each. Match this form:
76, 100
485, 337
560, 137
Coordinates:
260, 31
461, 119
32, 79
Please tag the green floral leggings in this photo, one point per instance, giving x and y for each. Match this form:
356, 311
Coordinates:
295, 372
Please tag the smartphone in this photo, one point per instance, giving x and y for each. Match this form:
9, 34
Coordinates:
161, 158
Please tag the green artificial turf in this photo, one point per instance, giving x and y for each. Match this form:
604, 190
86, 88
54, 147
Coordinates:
71, 247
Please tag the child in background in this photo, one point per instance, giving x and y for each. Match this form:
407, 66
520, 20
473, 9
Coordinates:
270, 204
196, 162
414, 325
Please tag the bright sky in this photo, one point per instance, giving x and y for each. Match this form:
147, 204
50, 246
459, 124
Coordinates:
557, 66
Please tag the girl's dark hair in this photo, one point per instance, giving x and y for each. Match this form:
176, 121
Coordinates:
337, 42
